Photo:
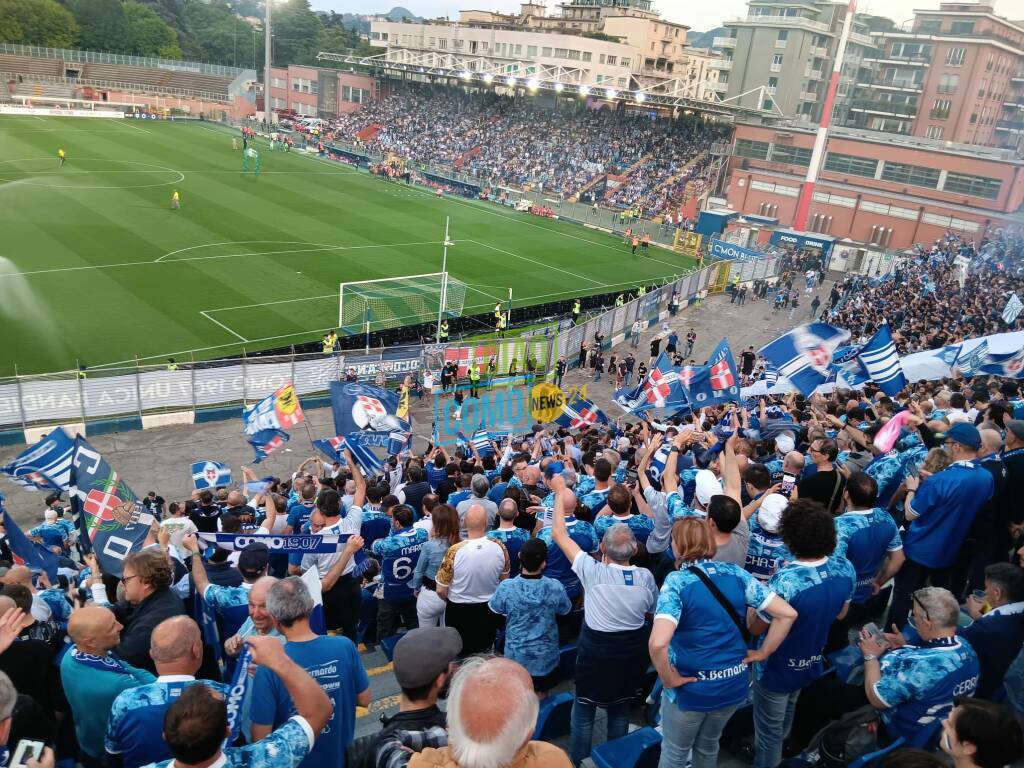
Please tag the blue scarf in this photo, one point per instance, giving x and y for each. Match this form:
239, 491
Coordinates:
105, 663
236, 693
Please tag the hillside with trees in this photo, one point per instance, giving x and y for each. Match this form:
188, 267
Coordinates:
216, 31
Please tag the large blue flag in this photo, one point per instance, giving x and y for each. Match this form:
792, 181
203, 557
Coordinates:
846, 364
1008, 364
358, 444
881, 362
210, 474
331, 448
34, 555
360, 406
661, 389
266, 441
45, 466
970, 363
580, 413
113, 522
804, 354
716, 382
280, 410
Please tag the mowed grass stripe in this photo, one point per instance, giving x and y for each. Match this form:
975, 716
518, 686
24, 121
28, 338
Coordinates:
104, 315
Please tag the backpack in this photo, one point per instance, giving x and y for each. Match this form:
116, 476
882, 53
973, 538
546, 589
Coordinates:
853, 735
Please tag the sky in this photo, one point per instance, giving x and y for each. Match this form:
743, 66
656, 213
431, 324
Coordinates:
699, 16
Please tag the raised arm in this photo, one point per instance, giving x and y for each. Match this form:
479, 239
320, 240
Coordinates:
731, 485
559, 532
357, 476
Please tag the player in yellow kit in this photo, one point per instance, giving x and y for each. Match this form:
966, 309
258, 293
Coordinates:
175, 200
60, 155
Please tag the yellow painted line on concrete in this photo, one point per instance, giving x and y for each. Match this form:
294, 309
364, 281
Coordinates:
381, 670
377, 706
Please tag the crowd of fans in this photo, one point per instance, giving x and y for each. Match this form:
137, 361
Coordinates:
554, 151
776, 575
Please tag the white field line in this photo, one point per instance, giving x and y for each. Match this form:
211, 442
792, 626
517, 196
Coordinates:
218, 322
532, 261
129, 125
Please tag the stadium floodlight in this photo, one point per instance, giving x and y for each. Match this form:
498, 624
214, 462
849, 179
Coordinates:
559, 87
392, 302
488, 78
533, 83
584, 90
466, 75
641, 96
611, 93
510, 80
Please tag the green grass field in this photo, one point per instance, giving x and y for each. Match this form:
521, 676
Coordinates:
96, 267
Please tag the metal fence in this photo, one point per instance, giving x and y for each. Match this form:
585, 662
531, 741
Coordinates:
98, 57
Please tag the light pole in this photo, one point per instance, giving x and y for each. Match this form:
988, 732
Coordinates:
444, 280
268, 111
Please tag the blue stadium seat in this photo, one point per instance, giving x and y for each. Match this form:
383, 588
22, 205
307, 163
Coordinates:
639, 749
388, 644
553, 717
566, 668
923, 739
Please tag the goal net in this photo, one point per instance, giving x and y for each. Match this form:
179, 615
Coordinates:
392, 302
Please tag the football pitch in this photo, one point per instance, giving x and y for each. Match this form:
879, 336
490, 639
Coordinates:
96, 267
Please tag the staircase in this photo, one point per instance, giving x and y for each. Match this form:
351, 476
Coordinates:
675, 178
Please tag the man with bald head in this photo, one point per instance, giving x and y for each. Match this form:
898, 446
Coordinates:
468, 578
508, 534
492, 713
93, 677
135, 727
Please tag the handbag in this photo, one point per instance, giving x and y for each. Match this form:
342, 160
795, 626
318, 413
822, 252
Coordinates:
722, 601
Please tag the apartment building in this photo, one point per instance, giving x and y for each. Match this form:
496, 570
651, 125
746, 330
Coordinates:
317, 92
956, 74
788, 47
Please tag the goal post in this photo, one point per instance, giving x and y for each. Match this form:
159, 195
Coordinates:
392, 302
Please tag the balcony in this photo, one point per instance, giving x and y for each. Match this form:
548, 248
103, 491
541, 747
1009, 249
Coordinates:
720, 87
1012, 126
883, 108
781, 43
916, 59
817, 50
860, 39
724, 42
813, 74
775, 68
1017, 77
897, 83
723, 64
809, 96
1012, 105
781, 21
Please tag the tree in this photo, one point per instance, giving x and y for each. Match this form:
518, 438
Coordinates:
37, 22
215, 34
295, 29
103, 25
148, 34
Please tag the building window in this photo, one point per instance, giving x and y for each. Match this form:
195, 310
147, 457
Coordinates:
783, 34
975, 186
940, 109
885, 209
962, 28
949, 83
600, 59
586, 56
778, 189
768, 105
949, 222
787, 153
612, 60
918, 176
723, 77
531, 51
776, 62
442, 42
934, 132
850, 164
574, 55
840, 200
955, 57
758, 150
929, 26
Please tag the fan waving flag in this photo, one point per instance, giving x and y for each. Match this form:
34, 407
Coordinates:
210, 474
359, 406
112, 521
481, 440
1013, 307
279, 411
266, 441
580, 413
46, 466
881, 363
359, 447
970, 363
804, 354
716, 382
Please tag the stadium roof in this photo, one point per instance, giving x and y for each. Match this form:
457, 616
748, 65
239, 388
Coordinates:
673, 93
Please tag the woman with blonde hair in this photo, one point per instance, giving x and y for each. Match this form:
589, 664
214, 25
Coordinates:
700, 644
445, 533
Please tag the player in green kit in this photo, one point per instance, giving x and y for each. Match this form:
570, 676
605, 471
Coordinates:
250, 155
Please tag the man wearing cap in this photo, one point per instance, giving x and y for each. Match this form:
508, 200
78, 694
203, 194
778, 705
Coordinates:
230, 603
423, 668
939, 512
766, 551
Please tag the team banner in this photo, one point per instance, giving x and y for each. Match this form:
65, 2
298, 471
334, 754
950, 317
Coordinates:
278, 542
721, 249
1013, 307
395, 363
210, 474
280, 410
27, 552
45, 466
360, 406
113, 522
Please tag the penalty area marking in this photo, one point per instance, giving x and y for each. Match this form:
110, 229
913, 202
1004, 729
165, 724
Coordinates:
28, 178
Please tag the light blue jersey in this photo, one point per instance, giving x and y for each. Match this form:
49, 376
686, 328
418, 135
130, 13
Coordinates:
530, 605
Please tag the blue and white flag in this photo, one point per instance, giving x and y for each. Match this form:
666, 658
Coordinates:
45, 466
285, 543
770, 376
804, 354
949, 354
881, 363
1008, 364
846, 365
716, 382
256, 487
280, 410
266, 441
1013, 307
359, 407
210, 474
970, 363
31, 554
367, 460
580, 413
481, 440
661, 389
393, 442
331, 448
656, 467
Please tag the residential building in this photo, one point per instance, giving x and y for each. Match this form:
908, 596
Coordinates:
876, 188
319, 92
956, 74
788, 47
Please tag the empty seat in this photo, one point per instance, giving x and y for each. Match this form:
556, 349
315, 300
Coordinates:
554, 717
639, 749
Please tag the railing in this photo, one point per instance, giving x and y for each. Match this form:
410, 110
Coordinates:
117, 85
723, 64
913, 58
1016, 126
781, 21
894, 82
819, 51
117, 58
724, 42
884, 107
142, 391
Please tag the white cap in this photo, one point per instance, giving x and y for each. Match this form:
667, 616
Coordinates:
623, 444
769, 514
785, 442
706, 486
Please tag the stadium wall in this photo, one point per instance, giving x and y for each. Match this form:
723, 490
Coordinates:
151, 396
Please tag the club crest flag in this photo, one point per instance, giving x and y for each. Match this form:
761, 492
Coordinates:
881, 362
804, 355
970, 363
266, 441
359, 407
1009, 364
663, 388
279, 411
112, 521
716, 382
331, 448
210, 474
45, 466
580, 413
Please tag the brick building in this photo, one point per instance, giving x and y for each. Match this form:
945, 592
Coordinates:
319, 92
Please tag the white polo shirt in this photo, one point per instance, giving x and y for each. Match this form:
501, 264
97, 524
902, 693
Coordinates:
472, 570
618, 597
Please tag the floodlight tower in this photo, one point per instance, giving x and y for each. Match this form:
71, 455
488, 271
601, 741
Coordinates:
267, 48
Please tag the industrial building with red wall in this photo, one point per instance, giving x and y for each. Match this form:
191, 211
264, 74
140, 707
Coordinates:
876, 188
